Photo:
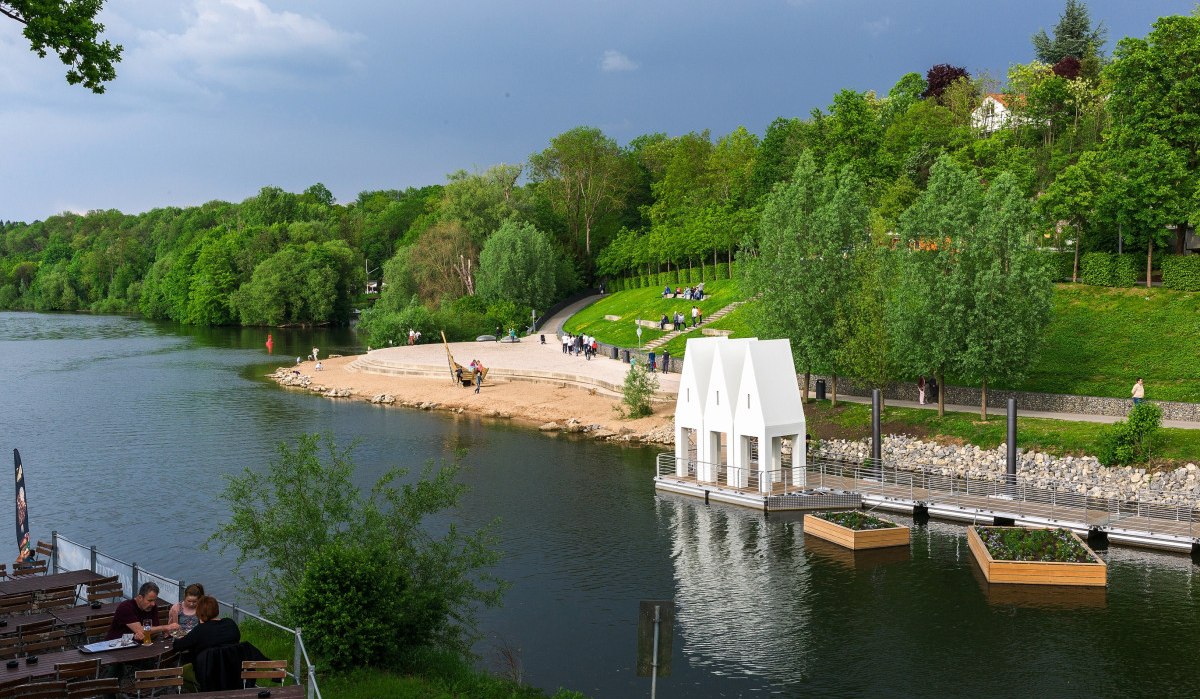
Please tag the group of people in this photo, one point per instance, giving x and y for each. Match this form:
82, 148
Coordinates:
195, 621
691, 293
679, 322
414, 336
923, 387
580, 344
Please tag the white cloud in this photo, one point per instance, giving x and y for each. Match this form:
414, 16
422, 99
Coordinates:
615, 61
244, 44
878, 26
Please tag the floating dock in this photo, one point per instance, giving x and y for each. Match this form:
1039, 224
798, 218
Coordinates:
1131, 522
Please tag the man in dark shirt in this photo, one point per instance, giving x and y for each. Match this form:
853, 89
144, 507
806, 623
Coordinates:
132, 615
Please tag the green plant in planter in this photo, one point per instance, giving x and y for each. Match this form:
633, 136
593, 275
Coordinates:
1009, 544
858, 521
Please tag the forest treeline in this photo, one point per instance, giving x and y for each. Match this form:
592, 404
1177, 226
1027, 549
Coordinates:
1105, 147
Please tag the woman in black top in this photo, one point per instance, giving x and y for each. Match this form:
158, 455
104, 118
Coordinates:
211, 632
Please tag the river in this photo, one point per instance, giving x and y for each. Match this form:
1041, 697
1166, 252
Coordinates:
126, 428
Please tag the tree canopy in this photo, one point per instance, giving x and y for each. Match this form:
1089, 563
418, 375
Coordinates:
69, 29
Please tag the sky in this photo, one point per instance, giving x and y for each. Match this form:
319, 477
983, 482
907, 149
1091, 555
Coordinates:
215, 99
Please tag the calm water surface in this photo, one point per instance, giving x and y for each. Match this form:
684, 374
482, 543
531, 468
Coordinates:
126, 428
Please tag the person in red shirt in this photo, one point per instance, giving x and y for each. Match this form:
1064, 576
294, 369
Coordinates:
132, 615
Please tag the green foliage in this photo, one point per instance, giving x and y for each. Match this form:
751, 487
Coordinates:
1134, 439
517, 265
856, 520
1181, 272
1108, 269
637, 392
1061, 264
69, 29
1019, 544
303, 522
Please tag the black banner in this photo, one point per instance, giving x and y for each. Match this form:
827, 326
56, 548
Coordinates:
23, 547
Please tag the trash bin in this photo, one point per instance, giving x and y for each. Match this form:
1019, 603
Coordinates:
820, 389
666, 363
625, 356
614, 352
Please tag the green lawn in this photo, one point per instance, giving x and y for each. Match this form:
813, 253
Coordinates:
432, 676
1060, 437
647, 304
1098, 342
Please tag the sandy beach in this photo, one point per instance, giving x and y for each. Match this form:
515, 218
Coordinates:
533, 384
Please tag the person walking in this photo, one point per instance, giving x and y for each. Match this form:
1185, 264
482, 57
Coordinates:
1139, 392
921, 391
695, 315
478, 377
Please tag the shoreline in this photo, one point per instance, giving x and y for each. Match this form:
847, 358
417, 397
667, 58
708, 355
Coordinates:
547, 407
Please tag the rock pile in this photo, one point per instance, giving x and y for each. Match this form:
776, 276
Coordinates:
1083, 475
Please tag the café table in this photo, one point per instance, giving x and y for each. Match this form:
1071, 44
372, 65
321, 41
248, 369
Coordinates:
292, 691
46, 662
37, 583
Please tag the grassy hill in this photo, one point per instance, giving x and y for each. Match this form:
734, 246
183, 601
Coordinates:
646, 304
1098, 342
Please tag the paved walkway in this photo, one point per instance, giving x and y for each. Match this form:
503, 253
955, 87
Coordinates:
992, 411
554, 324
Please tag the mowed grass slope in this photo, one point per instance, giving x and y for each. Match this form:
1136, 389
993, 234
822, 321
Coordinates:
1098, 342
646, 304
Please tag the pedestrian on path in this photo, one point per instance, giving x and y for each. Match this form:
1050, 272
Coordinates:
478, 377
1139, 392
921, 391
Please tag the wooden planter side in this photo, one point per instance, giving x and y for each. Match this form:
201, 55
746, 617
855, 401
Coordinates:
1037, 572
852, 539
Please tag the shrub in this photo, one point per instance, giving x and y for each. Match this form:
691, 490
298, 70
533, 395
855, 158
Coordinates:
1061, 264
1108, 269
1133, 439
723, 270
340, 585
664, 279
735, 270
1181, 272
640, 386
693, 276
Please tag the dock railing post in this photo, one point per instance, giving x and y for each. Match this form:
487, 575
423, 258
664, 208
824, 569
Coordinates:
93, 557
133, 577
54, 551
296, 655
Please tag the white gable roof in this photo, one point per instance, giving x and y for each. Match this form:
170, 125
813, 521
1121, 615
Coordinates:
726, 374
768, 398
694, 379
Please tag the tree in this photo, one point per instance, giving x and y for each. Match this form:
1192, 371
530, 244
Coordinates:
940, 77
929, 309
1156, 92
305, 519
1009, 289
864, 345
585, 177
69, 28
1073, 196
1074, 36
441, 264
482, 202
517, 264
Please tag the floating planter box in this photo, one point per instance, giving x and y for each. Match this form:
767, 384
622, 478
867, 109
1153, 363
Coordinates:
855, 530
1035, 557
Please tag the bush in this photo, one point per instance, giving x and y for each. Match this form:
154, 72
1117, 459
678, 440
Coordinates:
1108, 269
1061, 264
1181, 272
664, 279
340, 584
384, 328
1133, 439
640, 387
693, 276
735, 270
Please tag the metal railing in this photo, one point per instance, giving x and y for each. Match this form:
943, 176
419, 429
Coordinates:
72, 555
1058, 500
766, 482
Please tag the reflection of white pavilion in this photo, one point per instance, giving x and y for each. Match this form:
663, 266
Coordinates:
739, 420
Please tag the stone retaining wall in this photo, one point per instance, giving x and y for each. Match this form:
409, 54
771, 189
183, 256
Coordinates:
998, 399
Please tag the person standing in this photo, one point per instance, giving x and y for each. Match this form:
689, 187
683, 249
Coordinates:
695, 315
315, 353
1139, 392
921, 391
478, 377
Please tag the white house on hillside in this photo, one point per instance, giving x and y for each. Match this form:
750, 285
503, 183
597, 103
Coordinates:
993, 113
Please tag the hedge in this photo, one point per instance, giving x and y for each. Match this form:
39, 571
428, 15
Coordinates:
1062, 264
1181, 272
1108, 269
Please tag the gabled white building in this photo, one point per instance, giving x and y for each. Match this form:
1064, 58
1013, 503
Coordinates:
769, 413
992, 114
738, 405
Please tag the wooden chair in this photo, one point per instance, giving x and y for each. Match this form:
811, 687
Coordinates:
105, 590
7, 687
145, 682
55, 598
32, 566
10, 646
35, 628
55, 689
48, 642
81, 670
95, 628
255, 670
3, 570
168, 659
44, 550
93, 689
16, 604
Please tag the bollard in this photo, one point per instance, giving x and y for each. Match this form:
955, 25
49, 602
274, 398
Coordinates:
1011, 457
876, 447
